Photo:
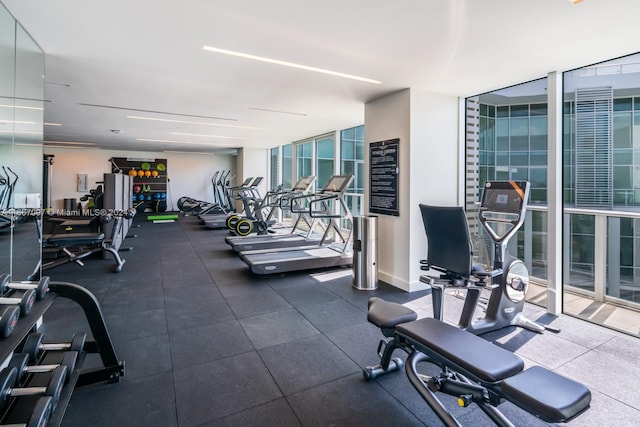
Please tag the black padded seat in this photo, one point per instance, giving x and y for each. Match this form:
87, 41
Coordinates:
553, 397
477, 356
385, 314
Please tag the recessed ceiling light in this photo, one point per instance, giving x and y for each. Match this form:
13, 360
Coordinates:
193, 123
289, 64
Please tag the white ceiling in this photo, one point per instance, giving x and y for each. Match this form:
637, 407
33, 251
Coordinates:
110, 59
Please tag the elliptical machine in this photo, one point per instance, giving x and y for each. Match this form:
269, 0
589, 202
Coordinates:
502, 213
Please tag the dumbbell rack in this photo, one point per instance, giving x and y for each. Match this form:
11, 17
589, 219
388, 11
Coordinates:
112, 368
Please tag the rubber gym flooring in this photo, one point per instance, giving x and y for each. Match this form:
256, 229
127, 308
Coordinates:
206, 343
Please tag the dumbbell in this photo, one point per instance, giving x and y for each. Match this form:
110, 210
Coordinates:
41, 286
20, 362
23, 299
8, 320
33, 345
40, 415
9, 376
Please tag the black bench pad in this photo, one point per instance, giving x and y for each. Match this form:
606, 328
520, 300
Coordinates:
385, 314
553, 397
73, 238
477, 356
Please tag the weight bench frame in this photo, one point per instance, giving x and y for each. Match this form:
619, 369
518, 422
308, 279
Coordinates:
472, 369
74, 247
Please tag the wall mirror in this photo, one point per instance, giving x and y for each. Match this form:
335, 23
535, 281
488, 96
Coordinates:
21, 138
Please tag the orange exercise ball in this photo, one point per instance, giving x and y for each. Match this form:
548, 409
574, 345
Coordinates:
140, 173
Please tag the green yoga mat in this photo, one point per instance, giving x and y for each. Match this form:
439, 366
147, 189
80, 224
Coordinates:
161, 217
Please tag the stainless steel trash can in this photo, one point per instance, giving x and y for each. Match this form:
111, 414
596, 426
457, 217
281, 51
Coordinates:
365, 253
69, 205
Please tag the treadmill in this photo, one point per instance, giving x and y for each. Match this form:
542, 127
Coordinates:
321, 205
281, 239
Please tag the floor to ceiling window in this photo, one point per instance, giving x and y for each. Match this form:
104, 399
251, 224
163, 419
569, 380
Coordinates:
318, 156
304, 158
325, 153
602, 185
507, 134
287, 166
274, 170
352, 163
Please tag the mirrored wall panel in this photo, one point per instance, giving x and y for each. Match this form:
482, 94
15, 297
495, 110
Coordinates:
21, 137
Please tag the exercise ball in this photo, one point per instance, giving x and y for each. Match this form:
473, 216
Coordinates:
132, 172
147, 173
154, 174
140, 173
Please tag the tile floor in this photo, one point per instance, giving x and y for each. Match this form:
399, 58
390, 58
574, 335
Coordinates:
206, 343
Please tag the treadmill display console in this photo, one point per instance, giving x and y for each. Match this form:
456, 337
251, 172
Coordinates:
338, 183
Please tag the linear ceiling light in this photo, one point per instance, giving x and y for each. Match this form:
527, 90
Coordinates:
289, 64
113, 107
277, 111
23, 107
71, 147
21, 132
16, 121
205, 136
52, 124
193, 123
188, 152
575, 1
69, 142
168, 141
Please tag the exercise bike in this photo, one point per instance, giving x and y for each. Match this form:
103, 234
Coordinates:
450, 259
472, 369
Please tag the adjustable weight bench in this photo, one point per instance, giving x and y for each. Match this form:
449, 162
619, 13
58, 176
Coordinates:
74, 247
472, 369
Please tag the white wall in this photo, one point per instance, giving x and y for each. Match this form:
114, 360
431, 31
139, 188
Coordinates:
389, 118
427, 125
252, 162
189, 174
434, 166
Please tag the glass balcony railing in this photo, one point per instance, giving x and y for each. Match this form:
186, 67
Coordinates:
601, 250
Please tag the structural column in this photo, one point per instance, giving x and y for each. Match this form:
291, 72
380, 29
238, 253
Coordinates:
427, 125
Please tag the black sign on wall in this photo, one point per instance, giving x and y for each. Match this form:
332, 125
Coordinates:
383, 177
